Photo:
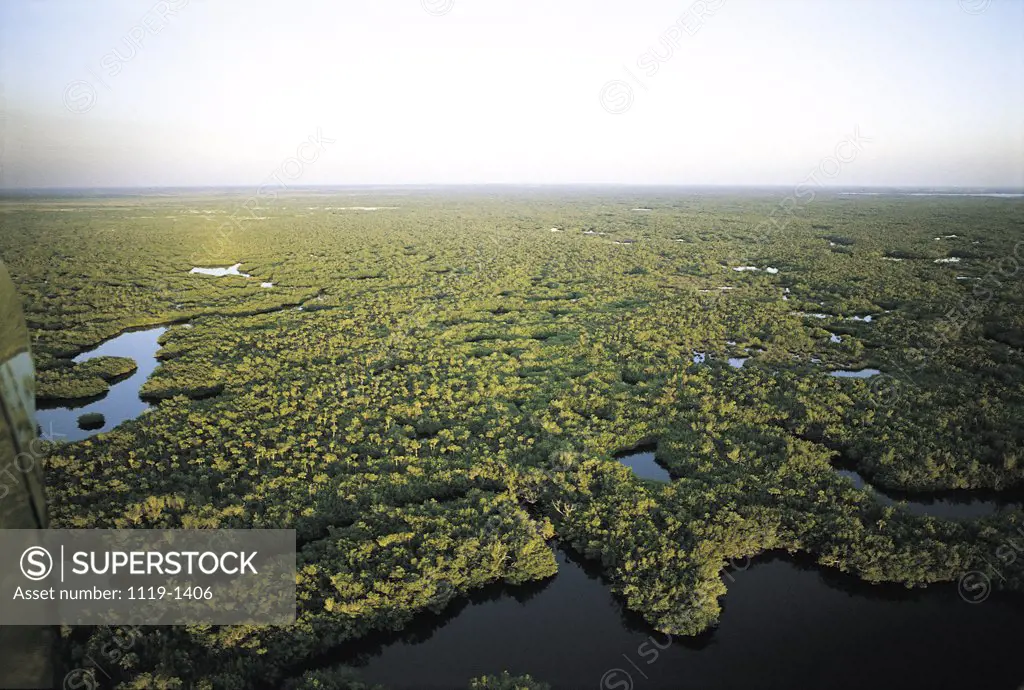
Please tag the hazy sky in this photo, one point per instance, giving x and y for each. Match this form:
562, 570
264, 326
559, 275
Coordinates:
204, 92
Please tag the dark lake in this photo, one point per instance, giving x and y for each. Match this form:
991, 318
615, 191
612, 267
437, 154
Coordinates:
786, 624
953, 505
121, 402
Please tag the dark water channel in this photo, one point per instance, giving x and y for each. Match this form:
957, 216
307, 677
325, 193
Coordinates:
952, 505
786, 624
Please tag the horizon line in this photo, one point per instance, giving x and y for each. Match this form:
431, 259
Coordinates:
6, 191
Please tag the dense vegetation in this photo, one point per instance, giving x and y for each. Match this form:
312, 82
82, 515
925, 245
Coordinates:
430, 393
67, 381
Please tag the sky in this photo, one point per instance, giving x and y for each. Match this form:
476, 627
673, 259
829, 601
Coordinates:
117, 93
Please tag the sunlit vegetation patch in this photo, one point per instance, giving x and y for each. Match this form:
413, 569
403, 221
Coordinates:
187, 384
57, 385
66, 381
108, 368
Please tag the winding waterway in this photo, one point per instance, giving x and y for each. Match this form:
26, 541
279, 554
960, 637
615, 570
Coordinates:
952, 505
121, 402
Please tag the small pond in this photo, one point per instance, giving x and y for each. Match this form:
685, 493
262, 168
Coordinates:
643, 463
221, 271
767, 269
